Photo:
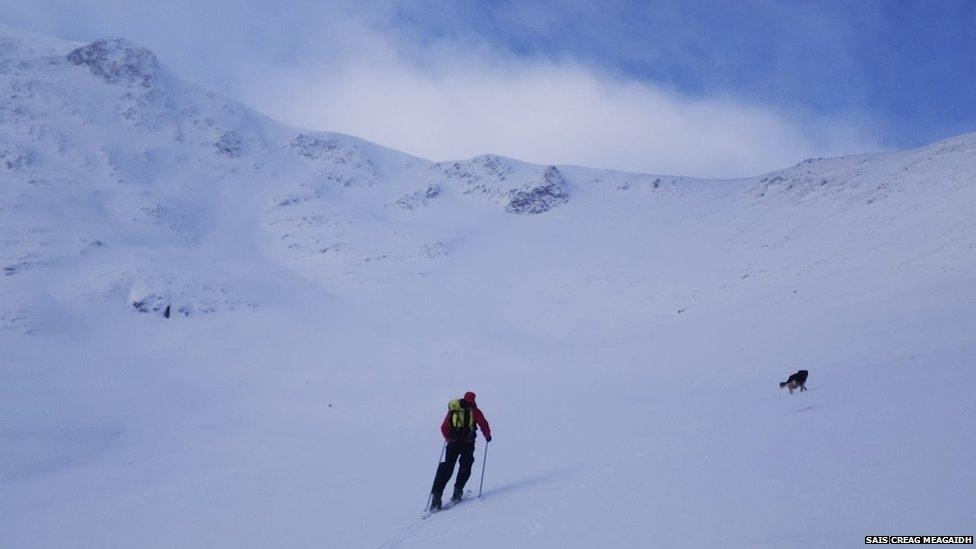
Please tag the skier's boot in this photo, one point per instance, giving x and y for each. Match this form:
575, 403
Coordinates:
435, 502
458, 494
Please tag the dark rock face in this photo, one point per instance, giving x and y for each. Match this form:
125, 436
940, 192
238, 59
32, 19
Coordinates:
419, 199
152, 303
117, 60
479, 175
521, 190
337, 161
229, 144
315, 147
16, 160
541, 198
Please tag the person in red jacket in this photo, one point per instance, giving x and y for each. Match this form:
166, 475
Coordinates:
460, 429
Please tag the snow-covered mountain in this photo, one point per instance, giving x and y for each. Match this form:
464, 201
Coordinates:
219, 330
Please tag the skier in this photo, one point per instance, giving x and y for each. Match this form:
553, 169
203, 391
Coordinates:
460, 429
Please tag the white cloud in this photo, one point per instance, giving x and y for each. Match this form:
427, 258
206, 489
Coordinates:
550, 113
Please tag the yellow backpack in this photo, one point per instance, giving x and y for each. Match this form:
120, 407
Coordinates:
462, 418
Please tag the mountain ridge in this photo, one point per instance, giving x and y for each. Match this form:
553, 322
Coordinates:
163, 157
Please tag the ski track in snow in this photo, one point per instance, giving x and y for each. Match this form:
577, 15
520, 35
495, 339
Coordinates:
416, 525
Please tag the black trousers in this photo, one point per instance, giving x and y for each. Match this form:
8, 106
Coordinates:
463, 451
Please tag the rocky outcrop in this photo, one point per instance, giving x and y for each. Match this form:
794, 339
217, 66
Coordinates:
335, 159
519, 187
418, 199
117, 60
540, 198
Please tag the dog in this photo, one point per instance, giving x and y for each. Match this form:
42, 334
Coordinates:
798, 379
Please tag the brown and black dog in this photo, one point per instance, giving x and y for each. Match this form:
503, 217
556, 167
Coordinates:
798, 379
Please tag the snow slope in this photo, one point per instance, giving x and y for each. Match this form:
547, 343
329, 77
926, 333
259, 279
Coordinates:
328, 296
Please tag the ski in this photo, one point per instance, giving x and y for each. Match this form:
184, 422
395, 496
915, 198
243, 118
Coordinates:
447, 505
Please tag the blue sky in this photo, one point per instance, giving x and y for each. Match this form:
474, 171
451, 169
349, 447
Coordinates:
909, 66
704, 88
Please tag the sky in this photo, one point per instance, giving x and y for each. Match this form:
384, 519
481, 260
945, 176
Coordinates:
710, 89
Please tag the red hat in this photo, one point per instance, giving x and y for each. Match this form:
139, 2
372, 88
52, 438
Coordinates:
469, 396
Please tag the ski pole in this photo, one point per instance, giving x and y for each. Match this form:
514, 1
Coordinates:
483, 462
439, 460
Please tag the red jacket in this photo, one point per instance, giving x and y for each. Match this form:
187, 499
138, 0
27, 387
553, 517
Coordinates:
479, 418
